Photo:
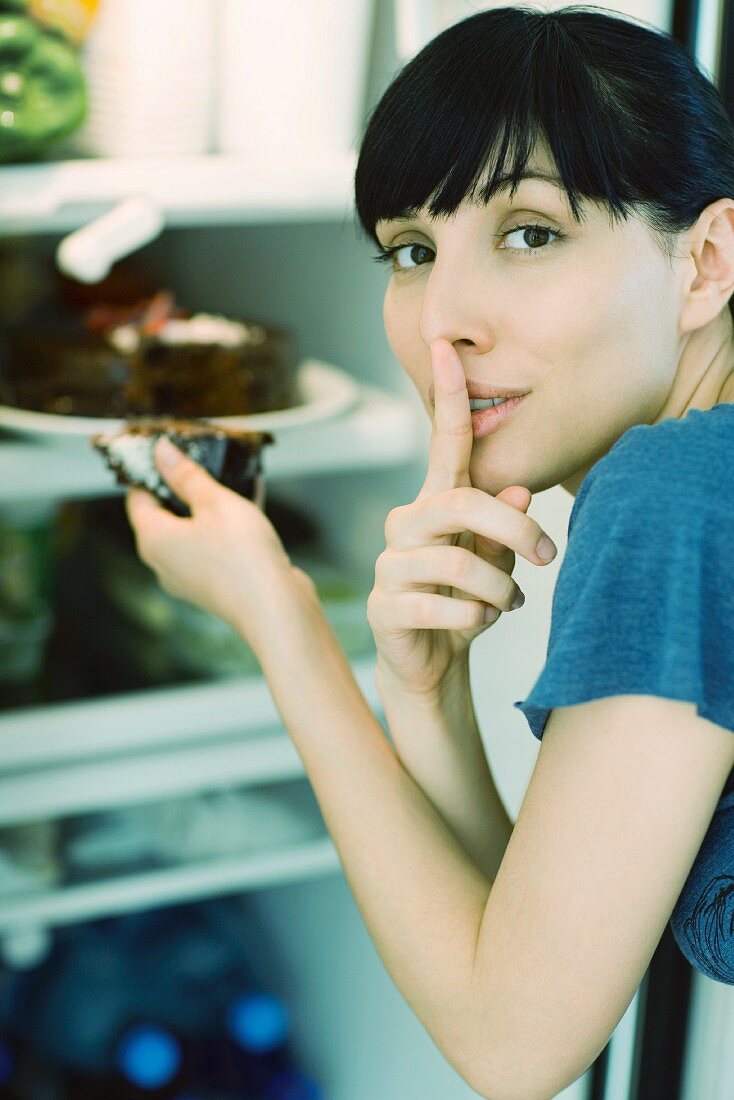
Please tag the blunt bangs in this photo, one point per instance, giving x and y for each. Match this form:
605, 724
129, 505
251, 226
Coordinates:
461, 120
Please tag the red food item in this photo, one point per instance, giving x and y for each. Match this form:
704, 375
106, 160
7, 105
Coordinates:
148, 316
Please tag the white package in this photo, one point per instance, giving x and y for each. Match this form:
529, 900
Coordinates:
150, 70
292, 74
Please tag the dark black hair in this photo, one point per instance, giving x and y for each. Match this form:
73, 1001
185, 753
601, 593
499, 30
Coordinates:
623, 108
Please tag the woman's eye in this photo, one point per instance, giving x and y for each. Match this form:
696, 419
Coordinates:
534, 237
530, 239
406, 257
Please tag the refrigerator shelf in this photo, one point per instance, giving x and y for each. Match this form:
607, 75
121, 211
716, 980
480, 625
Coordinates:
168, 885
215, 189
67, 789
77, 757
384, 429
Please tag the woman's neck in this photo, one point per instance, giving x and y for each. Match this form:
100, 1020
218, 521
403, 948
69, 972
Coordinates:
705, 374
704, 378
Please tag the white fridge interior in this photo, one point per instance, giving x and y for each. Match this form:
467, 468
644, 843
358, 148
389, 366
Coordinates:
304, 265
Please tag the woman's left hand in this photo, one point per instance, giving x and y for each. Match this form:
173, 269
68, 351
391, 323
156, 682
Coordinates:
227, 558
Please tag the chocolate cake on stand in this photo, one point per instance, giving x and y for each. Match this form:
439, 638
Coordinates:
149, 359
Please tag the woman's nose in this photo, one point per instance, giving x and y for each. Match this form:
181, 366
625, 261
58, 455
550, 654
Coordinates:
455, 308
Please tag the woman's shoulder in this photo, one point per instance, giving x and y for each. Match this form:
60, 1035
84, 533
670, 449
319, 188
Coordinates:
679, 464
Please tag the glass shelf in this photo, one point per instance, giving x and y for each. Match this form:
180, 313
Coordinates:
214, 189
382, 430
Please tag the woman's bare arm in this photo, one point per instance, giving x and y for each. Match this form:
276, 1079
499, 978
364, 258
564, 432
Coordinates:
437, 739
421, 895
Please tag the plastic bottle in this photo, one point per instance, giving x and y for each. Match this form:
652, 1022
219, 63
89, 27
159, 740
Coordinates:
248, 1050
155, 1062
150, 1058
148, 1062
291, 1084
192, 960
80, 1087
22, 1075
8, 1068
158, 1002
70, 1007
253, 1052
178, 967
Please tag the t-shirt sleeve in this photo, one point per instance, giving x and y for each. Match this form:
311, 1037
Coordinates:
644, 600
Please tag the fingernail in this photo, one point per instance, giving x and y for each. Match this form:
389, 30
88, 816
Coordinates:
490, 614
517, 602
167, 454
545, 549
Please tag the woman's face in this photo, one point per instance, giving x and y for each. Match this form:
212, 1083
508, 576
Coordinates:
580, 316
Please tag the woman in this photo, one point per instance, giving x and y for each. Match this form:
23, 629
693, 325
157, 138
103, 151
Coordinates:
554, 194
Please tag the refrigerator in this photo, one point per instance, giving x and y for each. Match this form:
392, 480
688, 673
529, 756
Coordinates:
274, 237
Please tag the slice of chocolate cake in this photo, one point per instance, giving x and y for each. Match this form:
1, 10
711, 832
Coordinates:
231, 457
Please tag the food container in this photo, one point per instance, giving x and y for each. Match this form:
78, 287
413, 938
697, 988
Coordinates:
292, 75
150, 67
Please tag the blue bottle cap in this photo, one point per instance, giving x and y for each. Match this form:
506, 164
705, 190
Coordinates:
259, 1022
291, 1084
7, 1062
149, 1056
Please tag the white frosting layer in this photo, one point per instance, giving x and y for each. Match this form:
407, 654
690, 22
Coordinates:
135, 455
202, 328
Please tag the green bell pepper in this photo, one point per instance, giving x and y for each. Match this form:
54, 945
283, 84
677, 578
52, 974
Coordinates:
42, 89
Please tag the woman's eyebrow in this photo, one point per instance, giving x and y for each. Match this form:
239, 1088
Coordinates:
533, 174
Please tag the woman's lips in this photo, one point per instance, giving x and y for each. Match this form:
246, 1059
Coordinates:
487, 420
480, 391
484, 421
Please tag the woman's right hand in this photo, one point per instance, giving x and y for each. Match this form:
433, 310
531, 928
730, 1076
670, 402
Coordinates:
449, 554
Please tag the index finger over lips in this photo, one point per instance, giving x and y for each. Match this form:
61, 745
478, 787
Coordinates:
452, 436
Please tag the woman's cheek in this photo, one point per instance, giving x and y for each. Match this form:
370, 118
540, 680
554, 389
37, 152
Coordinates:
390, 319
403, 336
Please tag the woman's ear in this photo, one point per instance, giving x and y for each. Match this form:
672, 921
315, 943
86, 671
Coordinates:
709, 245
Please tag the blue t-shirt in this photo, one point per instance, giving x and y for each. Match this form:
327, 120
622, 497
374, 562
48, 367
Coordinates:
644, 605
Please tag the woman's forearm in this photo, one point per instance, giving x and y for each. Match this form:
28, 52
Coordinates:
439, 743
420, 894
